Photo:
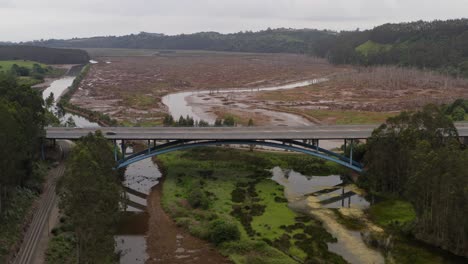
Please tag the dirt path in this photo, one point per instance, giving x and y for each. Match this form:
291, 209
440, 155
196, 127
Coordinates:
169, 244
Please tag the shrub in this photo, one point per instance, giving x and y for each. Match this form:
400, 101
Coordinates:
223, 231
238, 195
198, 199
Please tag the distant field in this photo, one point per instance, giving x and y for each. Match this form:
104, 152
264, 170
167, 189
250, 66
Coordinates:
108, 52
6, 65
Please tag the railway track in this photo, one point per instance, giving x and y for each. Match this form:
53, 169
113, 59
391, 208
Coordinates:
48, 198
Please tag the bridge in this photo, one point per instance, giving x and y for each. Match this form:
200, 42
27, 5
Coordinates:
299, 139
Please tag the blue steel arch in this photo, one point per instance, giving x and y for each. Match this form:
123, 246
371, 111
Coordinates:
185, 144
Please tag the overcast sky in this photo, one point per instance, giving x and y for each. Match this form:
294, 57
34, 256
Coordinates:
23, 20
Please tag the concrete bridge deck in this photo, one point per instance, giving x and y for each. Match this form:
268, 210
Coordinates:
226, 133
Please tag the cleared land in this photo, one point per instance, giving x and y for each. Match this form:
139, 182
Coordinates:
366, 96
128, 85
131, 88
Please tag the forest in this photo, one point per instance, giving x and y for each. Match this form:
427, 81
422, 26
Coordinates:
428, 168
441, 45
22, 119
43, 54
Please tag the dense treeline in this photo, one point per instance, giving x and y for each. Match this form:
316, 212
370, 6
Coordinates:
277, 40
90, 195
418, 157
43, 54
22, 118
438, 44
188, 121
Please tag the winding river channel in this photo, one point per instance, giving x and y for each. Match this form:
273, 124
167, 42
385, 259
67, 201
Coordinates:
142, 176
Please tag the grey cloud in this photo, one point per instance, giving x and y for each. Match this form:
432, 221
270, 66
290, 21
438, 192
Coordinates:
32, 19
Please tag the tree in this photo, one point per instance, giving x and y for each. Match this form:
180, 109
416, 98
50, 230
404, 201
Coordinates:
251, 123
218, 122
90, 196
49, 102
168, 120
229, 121
203, 123
458, 114
417, 156
70, 122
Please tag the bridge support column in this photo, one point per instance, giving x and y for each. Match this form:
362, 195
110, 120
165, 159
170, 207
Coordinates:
115, 150
464, 140
42, 150
351, 152
149, 146
123, 147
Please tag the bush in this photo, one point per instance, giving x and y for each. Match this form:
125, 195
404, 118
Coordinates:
458, 114
223, 231
198, 199
238, 195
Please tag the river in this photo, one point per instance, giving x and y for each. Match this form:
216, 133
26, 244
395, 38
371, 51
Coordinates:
139, 177
179, 105
142, 176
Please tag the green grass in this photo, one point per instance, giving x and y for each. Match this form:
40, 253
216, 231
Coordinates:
392, 211
28, 81
220, 171
370, 48
276, 214
6, 65
140, 101
350, 117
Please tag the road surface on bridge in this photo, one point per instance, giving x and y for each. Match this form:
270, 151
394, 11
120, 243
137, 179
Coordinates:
226, 133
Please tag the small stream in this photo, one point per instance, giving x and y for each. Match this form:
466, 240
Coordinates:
316, 195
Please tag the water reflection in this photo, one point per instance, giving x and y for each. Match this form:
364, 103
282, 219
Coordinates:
315, 195
331, 191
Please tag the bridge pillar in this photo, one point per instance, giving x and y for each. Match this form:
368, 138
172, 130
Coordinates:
123, 147
115, 150
149, 146
464, 140
351, 152
42, 150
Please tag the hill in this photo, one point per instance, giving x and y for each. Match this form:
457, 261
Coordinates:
441, 45
270, 40
43, 54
